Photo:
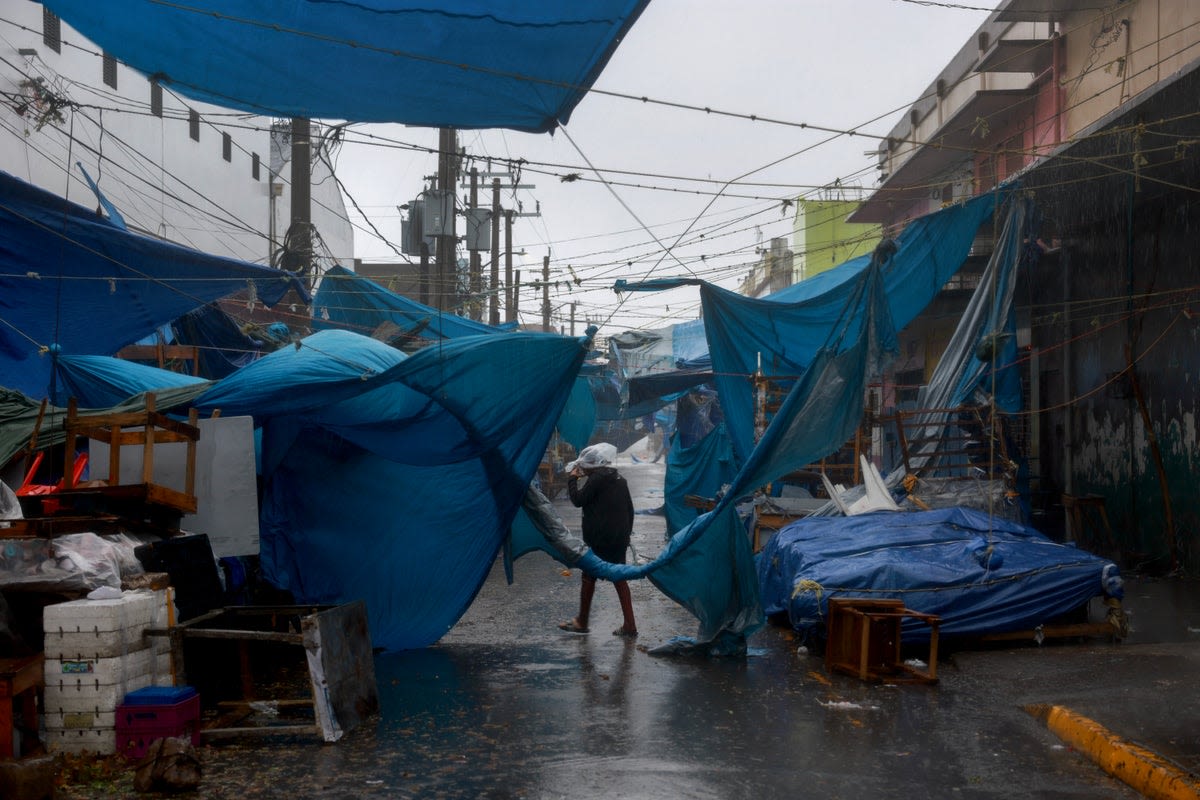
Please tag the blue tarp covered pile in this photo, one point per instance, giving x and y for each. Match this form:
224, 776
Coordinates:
978, 573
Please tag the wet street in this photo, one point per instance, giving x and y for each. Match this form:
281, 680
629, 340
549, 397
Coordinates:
509, 706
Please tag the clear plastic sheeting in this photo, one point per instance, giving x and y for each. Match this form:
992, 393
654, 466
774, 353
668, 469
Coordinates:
988, 495
77, 562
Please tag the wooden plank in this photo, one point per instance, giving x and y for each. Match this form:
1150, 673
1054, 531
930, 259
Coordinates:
266, 730
298, 702
238, 635
341, 667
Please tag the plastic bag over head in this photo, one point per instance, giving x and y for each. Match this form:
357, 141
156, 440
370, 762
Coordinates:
602, 454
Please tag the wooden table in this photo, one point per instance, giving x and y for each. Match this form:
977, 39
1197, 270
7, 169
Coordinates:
19, 678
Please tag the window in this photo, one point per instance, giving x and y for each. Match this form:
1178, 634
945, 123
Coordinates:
110, 70
226, 147
194, 124
254, 166
156, 98
51, 30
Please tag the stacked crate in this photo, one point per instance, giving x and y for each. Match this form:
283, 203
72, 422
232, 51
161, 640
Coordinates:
97, 651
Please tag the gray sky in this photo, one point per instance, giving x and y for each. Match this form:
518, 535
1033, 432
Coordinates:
831, 63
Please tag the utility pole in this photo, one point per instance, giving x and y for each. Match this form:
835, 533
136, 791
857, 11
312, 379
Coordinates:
494, 294
476, 267
424, 291
510, 300
572, 317
301, 228
546, 293
510, 305
517, 295
447, 269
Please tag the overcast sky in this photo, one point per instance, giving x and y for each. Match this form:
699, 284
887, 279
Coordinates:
830, 63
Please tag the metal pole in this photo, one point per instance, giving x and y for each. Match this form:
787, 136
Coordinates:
494, 294
510, 304
476, 267
546, 293
447, 152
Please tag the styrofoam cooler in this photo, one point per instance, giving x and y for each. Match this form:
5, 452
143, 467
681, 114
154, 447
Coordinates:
101, 741
99, 628
96, 653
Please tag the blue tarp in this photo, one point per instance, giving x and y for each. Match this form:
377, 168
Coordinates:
783, 332
460, 63
386, 477
394, 479
72, 283
103, 381
222, 345
699, 470
351, 302
978, 573
708, 566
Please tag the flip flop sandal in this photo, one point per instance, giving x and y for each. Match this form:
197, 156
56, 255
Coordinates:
572, 627
622, 632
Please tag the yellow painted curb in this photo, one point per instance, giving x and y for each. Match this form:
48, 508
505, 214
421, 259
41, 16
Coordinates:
1146, 772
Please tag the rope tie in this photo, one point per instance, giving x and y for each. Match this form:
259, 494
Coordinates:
808, 585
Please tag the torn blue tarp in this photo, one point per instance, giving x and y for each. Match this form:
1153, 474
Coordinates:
651, 365
394, 479
708, 567
979, 574
781, 334
220, 342
103, 381
699, 471
72, 283
348, 301
460, 63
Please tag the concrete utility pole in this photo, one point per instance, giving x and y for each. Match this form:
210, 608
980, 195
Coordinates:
476, 267
546, 293
572, 317
494, 294
301, 228
447, 268
510, 305
517, 295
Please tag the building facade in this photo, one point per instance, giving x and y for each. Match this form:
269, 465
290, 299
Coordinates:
201, 176
1091, 112
823, 237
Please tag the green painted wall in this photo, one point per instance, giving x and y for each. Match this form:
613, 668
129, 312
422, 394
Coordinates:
821, 237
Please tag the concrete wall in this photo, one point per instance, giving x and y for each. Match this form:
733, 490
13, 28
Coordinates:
822, 238
1129, 285
1113, 56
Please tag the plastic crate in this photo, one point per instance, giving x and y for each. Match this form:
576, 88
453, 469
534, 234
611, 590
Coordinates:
159, 696
140, 723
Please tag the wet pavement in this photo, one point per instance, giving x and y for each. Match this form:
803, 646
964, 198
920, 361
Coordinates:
508, 706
